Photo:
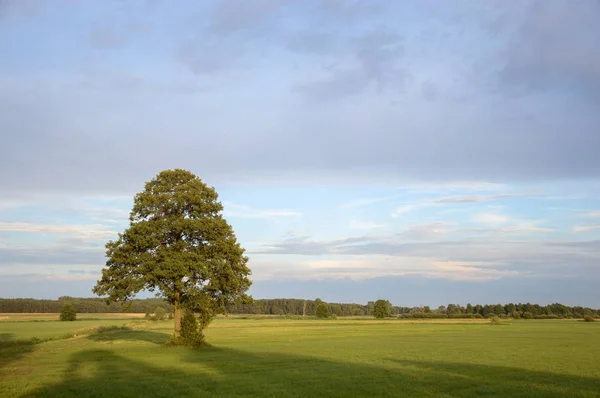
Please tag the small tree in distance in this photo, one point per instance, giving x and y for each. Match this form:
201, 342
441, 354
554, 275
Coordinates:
160, 313
67, 313
321, 310
381, 309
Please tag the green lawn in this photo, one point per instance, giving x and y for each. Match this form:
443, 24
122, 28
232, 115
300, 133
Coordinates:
310, 358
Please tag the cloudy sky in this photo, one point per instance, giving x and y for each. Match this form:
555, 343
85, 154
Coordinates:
424, 152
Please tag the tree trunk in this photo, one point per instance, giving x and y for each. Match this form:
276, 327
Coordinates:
177, 313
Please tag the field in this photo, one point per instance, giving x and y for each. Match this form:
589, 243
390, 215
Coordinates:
302, 358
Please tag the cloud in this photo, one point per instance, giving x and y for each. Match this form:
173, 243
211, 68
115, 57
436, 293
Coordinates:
242, 211
358, 203
474, 198
423, 203
585, 228
401, 210
374, 59
431, 231
594, 214
356, 224
362, 267
490, 218
550, 50
87, 231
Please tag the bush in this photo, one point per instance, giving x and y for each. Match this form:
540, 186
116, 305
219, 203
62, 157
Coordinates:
67, 313
321, 310
333, 316
527, 315
495, 321
588, 318
160, 313
381, 309
191, 332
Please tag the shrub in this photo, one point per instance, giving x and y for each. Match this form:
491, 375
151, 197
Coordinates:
67, 313
191, 333
527, 315
495, 321
321, 310
333, 316
381, 309
170, 316
160, 313
588, 318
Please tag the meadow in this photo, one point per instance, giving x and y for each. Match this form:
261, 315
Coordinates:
278, 357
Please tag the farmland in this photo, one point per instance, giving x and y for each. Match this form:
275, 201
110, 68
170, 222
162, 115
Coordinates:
299, 358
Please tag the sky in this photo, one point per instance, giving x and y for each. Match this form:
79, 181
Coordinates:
423, 152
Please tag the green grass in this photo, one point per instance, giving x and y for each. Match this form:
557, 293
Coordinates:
311, 358
50, 329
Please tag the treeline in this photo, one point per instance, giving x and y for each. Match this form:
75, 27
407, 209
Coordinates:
299, 307
82, 305
306, 307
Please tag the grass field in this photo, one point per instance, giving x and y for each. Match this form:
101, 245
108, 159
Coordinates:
305, 358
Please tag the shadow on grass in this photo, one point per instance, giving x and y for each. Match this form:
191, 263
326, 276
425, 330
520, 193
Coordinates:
226, 372
125, 333
12, 349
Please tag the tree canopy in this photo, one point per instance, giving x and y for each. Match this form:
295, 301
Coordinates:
178, 245
67, 313
382, 309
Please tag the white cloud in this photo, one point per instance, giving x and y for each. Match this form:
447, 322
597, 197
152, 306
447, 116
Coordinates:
594, 214
457, 186
585, 228
242, 211
355, 224
93, 231
357, 203
359, 267
399, 211
451, 200
475, 198
424, 232
490, 218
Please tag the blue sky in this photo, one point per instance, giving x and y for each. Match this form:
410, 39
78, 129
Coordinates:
423, 152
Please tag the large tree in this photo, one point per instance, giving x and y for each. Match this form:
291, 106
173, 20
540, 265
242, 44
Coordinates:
178, 245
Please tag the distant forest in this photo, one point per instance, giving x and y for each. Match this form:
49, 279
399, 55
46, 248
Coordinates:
299, 307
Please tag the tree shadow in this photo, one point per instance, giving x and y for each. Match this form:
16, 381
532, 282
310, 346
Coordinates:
125, 333
511, 380
12, 349
6, 336
226, 372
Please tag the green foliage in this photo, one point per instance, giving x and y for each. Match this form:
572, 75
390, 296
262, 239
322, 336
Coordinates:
67, 313
192, 328
147, 316
321, 310
333, 316
381, 309
495, 321
588, 318
160, 313
177, 244
527, 315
